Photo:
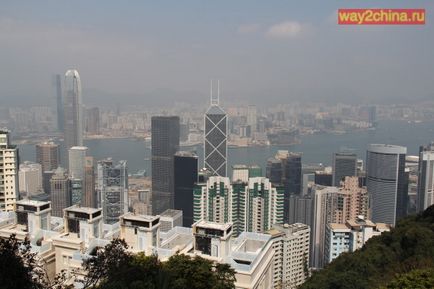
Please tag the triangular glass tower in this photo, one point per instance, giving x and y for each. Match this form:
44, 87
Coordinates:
215, 145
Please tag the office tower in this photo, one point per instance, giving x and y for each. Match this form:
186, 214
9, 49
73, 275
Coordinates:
60, 192
386, 182
73, 110
349, 237
186, 176
30, 179
293, 174
112, 184
77, 161
215, 143
274, 171
252, 118
47, 154
344, 165
59, 102
170, 219
92, 121
287, 166
8, 172
89, 183
253, 206
165, 143
291, 257
300, 209
425, 185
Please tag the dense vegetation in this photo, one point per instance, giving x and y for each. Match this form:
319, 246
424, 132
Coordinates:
402, 258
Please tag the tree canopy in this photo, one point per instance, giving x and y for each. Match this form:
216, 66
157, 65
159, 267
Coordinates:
403, 255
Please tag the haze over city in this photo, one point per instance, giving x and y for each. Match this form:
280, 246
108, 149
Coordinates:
157, 53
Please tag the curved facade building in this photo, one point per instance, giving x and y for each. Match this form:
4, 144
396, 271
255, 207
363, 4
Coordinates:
73, 110
386, 182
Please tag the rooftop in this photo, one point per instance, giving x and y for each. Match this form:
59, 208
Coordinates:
32, 203
212, 225
80, 209
141, 218
171, 213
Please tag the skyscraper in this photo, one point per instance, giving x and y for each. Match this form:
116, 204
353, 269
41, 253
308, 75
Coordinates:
30, 179
73, 110
425, 184
47, 155
386, 182
59, 102
252, 118
60, 192
92, 121
344, 165
77, 160
215, 145
8, 172
165, 143
112, 183
186, 175
89, 183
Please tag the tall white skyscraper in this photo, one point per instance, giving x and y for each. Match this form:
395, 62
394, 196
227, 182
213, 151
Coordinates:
30, 179
8, 172
73, 110
425, 184
387, 182
215, 146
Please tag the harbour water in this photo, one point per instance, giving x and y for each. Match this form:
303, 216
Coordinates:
317, 148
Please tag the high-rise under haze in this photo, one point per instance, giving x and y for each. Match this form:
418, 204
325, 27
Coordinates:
73, 110
425, 184
386, 182
8, 172
215, 145
344, 165
59, 102
165, 143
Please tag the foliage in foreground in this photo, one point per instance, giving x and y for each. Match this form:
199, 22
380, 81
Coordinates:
393, 260
114, 268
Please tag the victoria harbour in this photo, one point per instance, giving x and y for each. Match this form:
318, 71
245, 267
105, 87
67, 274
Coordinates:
316, 148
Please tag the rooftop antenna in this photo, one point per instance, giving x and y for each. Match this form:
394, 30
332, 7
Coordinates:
215, 101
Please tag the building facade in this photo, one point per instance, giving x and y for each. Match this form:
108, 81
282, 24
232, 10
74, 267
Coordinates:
112, 189
165, 143
8, 172
344, 165
386, 182
425, 185
73, 110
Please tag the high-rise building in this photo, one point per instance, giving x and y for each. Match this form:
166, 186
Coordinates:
89, 183
287, 166
77, 161
112, 184
344, 165
47, 154
165, 143
300, 209
73, 110
253, 206
8, 172
386, 182
186, 176
215, 141
335, 205
425, 184
349, 237
291, 257
59, 102
60, 192
242, 173
92, 121
252, 118
30, 179
170, 219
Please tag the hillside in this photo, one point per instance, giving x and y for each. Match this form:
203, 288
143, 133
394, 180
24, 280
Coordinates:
402, 258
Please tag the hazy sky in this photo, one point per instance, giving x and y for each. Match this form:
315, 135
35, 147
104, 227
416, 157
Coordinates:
166, 51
